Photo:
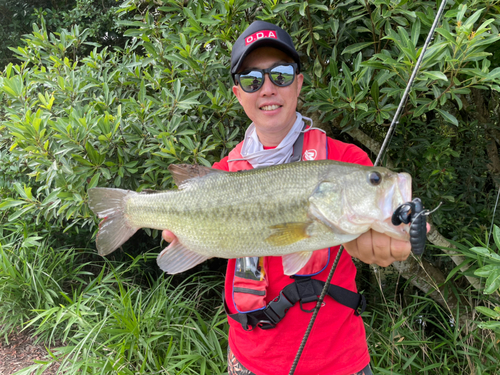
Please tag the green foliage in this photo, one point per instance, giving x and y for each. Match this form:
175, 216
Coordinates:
106, 318
32, 273
97, 16
83, 107
117, 119
488, 261
417, 336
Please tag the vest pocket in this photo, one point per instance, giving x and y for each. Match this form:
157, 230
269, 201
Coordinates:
250, 284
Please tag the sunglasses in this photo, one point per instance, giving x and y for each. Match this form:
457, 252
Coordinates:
252, 80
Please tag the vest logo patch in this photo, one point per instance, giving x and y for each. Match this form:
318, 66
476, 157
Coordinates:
310, 154
259, 35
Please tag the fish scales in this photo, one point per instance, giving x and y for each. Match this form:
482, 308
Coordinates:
278, 210
210, 211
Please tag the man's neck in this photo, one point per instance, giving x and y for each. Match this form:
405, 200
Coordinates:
273, 138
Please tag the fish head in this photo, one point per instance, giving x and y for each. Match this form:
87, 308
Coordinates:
361, 198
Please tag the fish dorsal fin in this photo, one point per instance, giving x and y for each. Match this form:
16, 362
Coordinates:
287, 233
175, 258
183, 172
293, 263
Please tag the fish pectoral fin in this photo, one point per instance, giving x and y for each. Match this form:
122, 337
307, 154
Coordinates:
293, 263
175, 258
183, 172
288, 233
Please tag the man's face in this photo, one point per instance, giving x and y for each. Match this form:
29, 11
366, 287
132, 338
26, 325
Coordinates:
271, 108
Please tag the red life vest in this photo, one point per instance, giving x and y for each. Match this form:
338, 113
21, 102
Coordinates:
250, 281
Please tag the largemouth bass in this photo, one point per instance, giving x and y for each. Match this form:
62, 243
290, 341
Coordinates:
288, 210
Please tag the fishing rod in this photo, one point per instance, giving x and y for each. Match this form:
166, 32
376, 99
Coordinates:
410, 212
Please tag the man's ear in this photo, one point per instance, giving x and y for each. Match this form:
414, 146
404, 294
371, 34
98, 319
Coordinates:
236, 92
300, 81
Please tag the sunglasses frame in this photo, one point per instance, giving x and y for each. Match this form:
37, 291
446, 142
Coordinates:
268, 71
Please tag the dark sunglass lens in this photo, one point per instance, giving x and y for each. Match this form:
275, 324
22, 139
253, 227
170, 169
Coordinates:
251, 81
282, 75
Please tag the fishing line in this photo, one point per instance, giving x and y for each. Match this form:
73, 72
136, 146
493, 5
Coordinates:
388, 136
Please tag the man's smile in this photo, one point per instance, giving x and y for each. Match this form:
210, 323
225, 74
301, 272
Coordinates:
270, 107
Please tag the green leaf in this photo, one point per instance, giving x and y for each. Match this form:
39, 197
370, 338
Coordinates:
488, 312
415, 31
480, 250
410, 360
21, 212
462, 8
435, 75
51, 197
456, 269
302, 9
493, 282
472, 19
353, 48
9, 202
486, 270
94, 181
496, 236
374, 92
319, 6
317, 68
494, 74
490, 325
448, 116
448, 36
20, 190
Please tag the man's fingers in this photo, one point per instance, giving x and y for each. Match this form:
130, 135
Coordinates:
382, 249
400, 250
168, 236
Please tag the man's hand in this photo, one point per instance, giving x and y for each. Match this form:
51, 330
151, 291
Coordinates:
374, 247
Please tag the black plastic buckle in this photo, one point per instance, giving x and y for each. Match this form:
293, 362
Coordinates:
362, 306
275, 311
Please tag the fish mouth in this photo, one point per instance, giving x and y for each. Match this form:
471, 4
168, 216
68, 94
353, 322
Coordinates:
400, 232
396, 194
399, 193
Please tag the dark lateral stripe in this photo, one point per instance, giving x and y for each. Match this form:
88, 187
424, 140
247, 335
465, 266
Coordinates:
250, 291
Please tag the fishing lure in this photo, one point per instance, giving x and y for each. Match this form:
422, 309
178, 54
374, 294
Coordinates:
413, 213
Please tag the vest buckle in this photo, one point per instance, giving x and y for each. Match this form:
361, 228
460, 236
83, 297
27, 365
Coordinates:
275, 311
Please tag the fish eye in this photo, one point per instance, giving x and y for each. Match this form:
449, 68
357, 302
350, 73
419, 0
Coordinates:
375, 178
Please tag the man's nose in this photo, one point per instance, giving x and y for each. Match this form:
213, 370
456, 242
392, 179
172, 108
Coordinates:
268, 88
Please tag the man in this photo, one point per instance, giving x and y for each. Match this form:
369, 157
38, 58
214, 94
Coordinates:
266, 70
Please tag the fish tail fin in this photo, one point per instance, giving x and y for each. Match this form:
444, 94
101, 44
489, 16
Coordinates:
114, 229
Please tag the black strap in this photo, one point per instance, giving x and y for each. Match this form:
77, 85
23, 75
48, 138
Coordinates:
303, 290
297, 146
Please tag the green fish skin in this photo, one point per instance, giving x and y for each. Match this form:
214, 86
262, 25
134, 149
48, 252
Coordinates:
288, 210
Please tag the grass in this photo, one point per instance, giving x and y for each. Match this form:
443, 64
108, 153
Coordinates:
111, 318
119, 318
415, 335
